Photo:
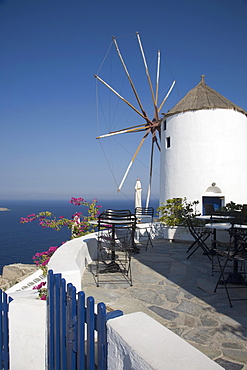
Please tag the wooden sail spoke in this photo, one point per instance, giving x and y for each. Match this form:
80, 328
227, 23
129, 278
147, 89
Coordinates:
132, 159
122, 98
146, 67
157, 79
150, 174
137, 128
165, 98
157, 143
129, 78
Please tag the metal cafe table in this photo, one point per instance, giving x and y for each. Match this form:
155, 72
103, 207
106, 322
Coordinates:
223, 222
116, 231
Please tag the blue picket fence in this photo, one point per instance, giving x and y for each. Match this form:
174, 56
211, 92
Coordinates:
4, 330
72, 328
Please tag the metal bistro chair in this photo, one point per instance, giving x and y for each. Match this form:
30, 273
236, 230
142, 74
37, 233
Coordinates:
200, 235
122, 212
144, 218
232, 263
115, 244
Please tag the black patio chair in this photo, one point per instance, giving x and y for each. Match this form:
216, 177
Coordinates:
115, 244
200, 235
219, 248
232, 263
144, 218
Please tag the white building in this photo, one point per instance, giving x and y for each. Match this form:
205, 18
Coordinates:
204, 149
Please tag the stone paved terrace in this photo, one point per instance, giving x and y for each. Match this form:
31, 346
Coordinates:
179, 293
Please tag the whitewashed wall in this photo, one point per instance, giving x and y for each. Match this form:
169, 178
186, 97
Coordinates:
27, 333
138, 342
206, 146
72, 257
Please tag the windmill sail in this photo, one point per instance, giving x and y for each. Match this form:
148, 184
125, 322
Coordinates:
151, 126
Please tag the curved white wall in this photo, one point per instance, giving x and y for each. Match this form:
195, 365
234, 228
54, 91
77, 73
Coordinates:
206, 146
72, 257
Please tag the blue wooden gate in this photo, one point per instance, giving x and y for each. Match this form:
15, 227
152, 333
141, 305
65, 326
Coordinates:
72, 328
4, 330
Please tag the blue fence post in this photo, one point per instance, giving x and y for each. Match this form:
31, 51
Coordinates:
102, 318
81, 331
71, 326
50, 321
57, 280
101, 328
4, 330
63, 324
90, 333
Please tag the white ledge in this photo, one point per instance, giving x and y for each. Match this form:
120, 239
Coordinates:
138, 342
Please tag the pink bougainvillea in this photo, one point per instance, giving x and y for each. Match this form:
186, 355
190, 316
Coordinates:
41, 290
78, 224
41, 259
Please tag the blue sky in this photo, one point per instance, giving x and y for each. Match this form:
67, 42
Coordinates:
49, 117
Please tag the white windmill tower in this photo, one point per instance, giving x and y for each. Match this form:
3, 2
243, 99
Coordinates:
204, 149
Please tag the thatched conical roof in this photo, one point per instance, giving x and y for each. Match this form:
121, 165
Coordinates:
203, 97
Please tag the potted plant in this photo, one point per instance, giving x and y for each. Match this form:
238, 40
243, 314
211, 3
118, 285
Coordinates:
173, 215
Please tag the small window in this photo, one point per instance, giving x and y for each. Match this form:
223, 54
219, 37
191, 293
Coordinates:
168, 142
164, 127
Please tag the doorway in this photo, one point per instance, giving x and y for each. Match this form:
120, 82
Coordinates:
217, 202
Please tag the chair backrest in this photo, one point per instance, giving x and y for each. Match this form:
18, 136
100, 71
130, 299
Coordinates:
122, 227
243, 214
119, 220
193, 229
209, 209
144, 213
119, 212
189, 224
244, 209
145, 210
238, 235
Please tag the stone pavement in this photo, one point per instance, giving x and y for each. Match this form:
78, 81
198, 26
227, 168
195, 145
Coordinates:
179, 293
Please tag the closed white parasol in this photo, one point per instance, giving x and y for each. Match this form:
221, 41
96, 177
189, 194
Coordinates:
138, 194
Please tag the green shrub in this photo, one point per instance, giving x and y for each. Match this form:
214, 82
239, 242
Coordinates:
175, 211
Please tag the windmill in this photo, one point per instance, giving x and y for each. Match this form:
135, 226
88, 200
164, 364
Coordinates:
150, 127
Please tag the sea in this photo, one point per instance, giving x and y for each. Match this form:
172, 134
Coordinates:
19, 242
